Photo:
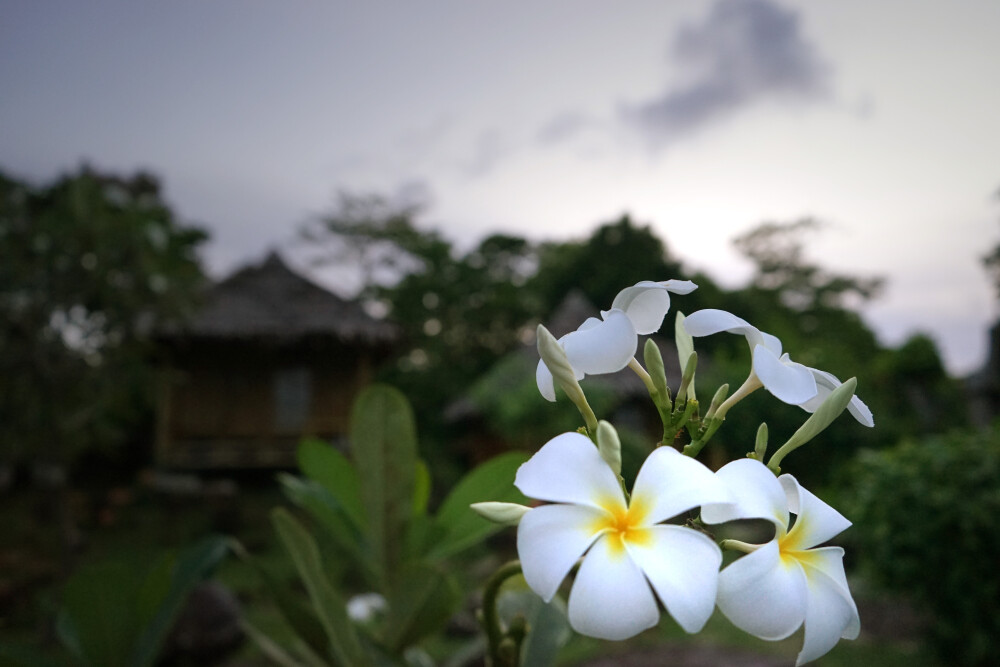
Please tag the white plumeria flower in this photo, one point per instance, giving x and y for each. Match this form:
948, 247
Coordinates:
786, 582
365, 607
826, 383
787, 380
607, 345
627, 548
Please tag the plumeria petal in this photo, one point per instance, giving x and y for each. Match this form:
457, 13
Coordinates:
829, 561
711, 321
610, 598
646, 303
756, 491
545, 382
772, 343
786, 380
670, 483
683, 567
597, 346
550, 539
603, 348
816, 522
569, 469
825, 384
830, 614
764, 594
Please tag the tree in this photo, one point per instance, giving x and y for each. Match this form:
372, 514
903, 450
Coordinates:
459, 312
991, 261
90, 266
617, 254
777, 250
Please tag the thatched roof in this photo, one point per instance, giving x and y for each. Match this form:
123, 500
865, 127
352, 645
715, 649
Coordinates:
270, 301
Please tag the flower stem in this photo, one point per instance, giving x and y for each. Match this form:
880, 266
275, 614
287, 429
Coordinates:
644, 376
495, 634
750, 385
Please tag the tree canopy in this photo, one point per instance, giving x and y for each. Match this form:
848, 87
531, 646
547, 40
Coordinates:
90, 265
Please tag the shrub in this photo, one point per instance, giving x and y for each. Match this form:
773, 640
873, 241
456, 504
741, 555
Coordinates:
926, 515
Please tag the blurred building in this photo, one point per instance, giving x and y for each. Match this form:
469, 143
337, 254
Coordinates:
271, 357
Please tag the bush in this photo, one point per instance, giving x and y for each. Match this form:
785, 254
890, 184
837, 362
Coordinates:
926, 520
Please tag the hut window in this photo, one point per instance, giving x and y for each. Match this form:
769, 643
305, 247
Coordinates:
292, 396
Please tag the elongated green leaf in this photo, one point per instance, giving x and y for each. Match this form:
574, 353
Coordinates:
299, 615
384, 445
460, 526
330, 516
322, 463
193, 566
420, 603
329, 604
421, 488
276, 654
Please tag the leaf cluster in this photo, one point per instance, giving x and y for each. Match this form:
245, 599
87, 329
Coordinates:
118, 614
372, 510
90, 266
925, 523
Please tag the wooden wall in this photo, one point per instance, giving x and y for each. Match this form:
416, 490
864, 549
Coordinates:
223, 404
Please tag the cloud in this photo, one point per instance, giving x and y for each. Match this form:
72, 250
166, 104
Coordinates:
489, 149
562, 128
743, 52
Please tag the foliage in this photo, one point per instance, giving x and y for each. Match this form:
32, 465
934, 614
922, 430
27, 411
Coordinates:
463, 314
119, 614
458, 311
372, 510
621, 252
778, 253
90, 265
925, 520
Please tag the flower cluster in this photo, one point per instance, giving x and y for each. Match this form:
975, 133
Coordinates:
657, 544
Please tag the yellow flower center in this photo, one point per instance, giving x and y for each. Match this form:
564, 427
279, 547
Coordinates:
624, 524
790, 547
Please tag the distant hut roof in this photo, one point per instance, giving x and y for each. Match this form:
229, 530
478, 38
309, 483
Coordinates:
269, 300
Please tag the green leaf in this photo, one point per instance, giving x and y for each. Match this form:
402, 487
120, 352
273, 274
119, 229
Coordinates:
299, 615
98, 620
154, 588
322, 463
18, 655
421, 488
193, 565
420, 603
493, 480
328, 603
548, 625
330, 515
384, 445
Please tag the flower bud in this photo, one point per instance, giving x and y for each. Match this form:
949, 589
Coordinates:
609, 446
685, 348
505, 514
817, 422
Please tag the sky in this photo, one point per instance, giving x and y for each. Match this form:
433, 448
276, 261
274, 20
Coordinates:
703, 119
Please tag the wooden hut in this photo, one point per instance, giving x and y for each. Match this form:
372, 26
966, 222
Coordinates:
271, 357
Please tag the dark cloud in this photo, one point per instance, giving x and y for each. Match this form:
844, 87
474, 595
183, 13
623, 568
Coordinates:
744, 51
